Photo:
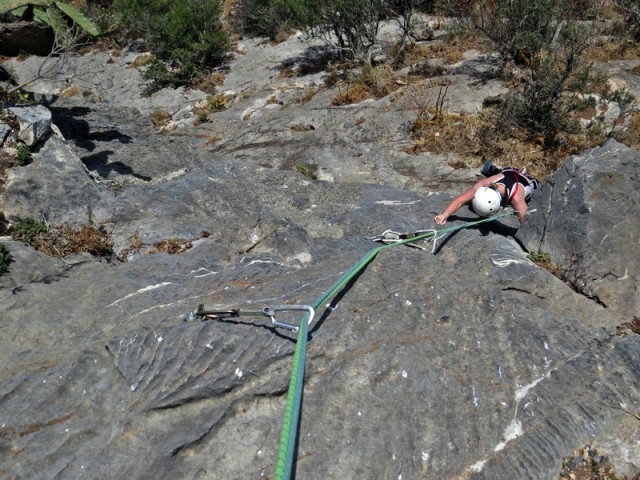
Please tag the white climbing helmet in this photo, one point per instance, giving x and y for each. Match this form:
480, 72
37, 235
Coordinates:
486, 201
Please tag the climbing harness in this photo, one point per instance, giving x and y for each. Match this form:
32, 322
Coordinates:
270, 312
289, 432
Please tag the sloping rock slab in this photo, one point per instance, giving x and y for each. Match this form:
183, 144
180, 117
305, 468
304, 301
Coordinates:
410, 372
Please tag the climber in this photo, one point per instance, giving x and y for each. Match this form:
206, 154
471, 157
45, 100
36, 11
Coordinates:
501, 187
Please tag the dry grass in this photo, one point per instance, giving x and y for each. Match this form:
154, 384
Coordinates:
474, 140
629, 134
216, 103
160, 118
605, 51
447, 133
171, 245
370, 83
210, 83
142, 60
212, 140
451, 50
65, 240
352, 93
70, 91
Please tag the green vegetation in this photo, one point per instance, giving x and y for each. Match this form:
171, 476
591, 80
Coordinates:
539, 257
272, 18
308, 171
28, 231
351, 26
546, 54
63, 240
5, 259
58, 15
186, 37
547, 38
23, 157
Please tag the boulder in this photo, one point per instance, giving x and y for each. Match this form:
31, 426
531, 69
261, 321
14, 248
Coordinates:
56, 186
30, 38
35, 123
586, 216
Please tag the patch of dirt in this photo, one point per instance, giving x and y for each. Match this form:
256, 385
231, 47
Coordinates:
587, 463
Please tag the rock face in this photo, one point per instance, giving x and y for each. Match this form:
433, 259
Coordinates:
587, 215
470, 362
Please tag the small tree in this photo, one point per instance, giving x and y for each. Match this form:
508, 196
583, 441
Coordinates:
352, 25
548, 39
631, 10
404, 10
272, 18
185, 35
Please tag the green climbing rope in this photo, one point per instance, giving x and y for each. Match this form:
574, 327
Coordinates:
288, 436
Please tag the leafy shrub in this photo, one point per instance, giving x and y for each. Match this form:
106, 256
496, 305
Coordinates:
23, 157
539, 257
272, 18
522, 28
631, 10
548, 40
352, 25
308, 171
186, 37
28, 231
5, 259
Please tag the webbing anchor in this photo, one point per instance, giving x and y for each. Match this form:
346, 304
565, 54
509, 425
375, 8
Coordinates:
270, 312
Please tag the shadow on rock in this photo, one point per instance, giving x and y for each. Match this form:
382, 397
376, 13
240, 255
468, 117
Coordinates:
78, 131
99, 163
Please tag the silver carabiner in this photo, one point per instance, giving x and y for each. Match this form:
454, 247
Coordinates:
271, 312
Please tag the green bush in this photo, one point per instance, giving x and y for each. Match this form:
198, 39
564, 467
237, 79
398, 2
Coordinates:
352, 25
28, 231
23, 157
353, 22
185, 35
271, 18
539, 257
308, 171
5, 259
547, 39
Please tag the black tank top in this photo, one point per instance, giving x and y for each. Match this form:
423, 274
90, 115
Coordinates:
509, 181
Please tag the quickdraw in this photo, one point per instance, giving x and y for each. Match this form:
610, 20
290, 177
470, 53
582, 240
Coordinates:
389, 237
270, 312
